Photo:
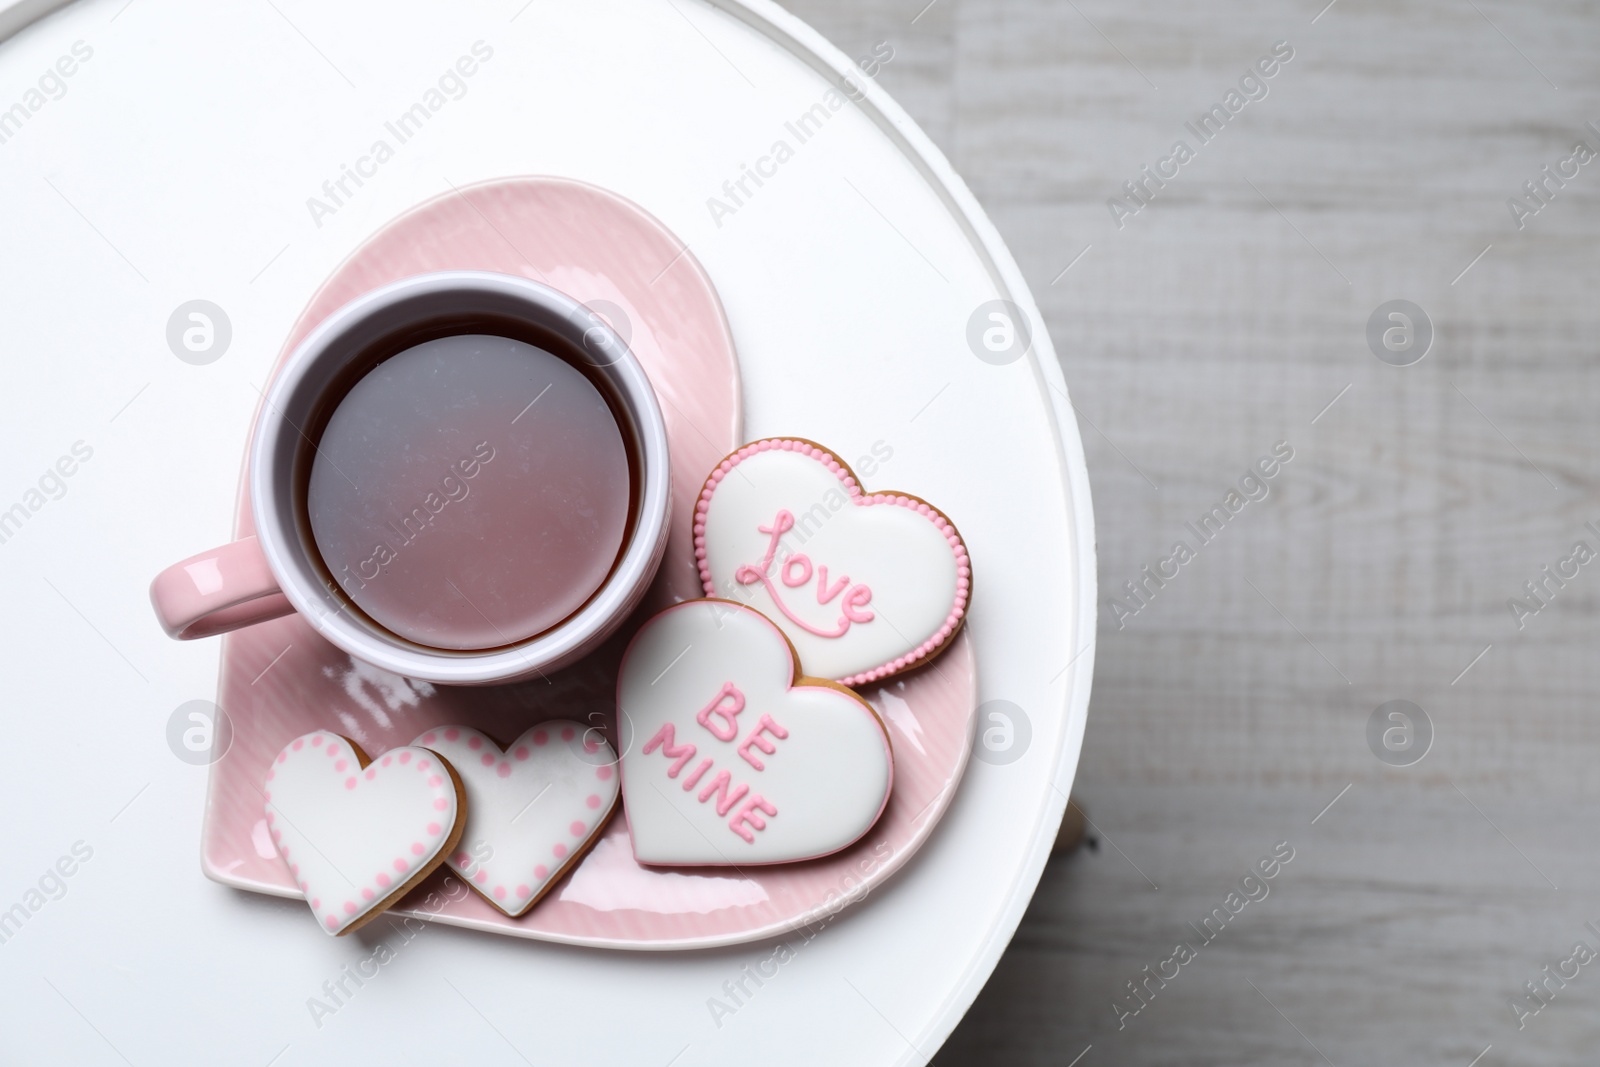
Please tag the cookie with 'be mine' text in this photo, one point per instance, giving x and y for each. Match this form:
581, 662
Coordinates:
358, 834
730, 756
864, 585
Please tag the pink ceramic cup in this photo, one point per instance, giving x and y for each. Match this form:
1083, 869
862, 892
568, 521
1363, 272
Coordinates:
279, 570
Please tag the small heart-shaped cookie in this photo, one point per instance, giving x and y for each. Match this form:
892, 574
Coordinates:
359, 834
864, 585
533, 807
730, 756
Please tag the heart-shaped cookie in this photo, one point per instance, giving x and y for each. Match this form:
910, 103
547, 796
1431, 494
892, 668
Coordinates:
533, 807
864, 585
358, 834
730, 756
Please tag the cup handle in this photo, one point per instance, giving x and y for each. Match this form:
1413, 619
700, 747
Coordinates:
217, 591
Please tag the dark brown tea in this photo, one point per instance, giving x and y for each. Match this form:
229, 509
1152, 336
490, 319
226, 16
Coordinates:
470, 492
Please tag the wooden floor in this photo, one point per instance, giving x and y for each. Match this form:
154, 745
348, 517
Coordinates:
1225, 316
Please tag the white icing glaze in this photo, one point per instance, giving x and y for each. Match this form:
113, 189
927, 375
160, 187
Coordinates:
532, 809
840, 541
354, 837
808, 767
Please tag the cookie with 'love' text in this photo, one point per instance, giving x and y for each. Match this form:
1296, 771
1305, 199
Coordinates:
865, 585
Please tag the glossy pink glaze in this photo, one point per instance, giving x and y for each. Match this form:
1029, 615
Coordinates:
279, 679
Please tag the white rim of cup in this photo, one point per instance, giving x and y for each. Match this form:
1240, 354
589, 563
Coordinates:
277, 441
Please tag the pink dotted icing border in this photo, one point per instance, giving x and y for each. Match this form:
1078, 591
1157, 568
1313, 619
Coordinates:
345, 760
490, 753
857, 496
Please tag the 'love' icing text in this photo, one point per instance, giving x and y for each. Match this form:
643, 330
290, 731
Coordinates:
796, 571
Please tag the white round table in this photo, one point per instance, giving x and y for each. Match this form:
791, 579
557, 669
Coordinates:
173, 155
